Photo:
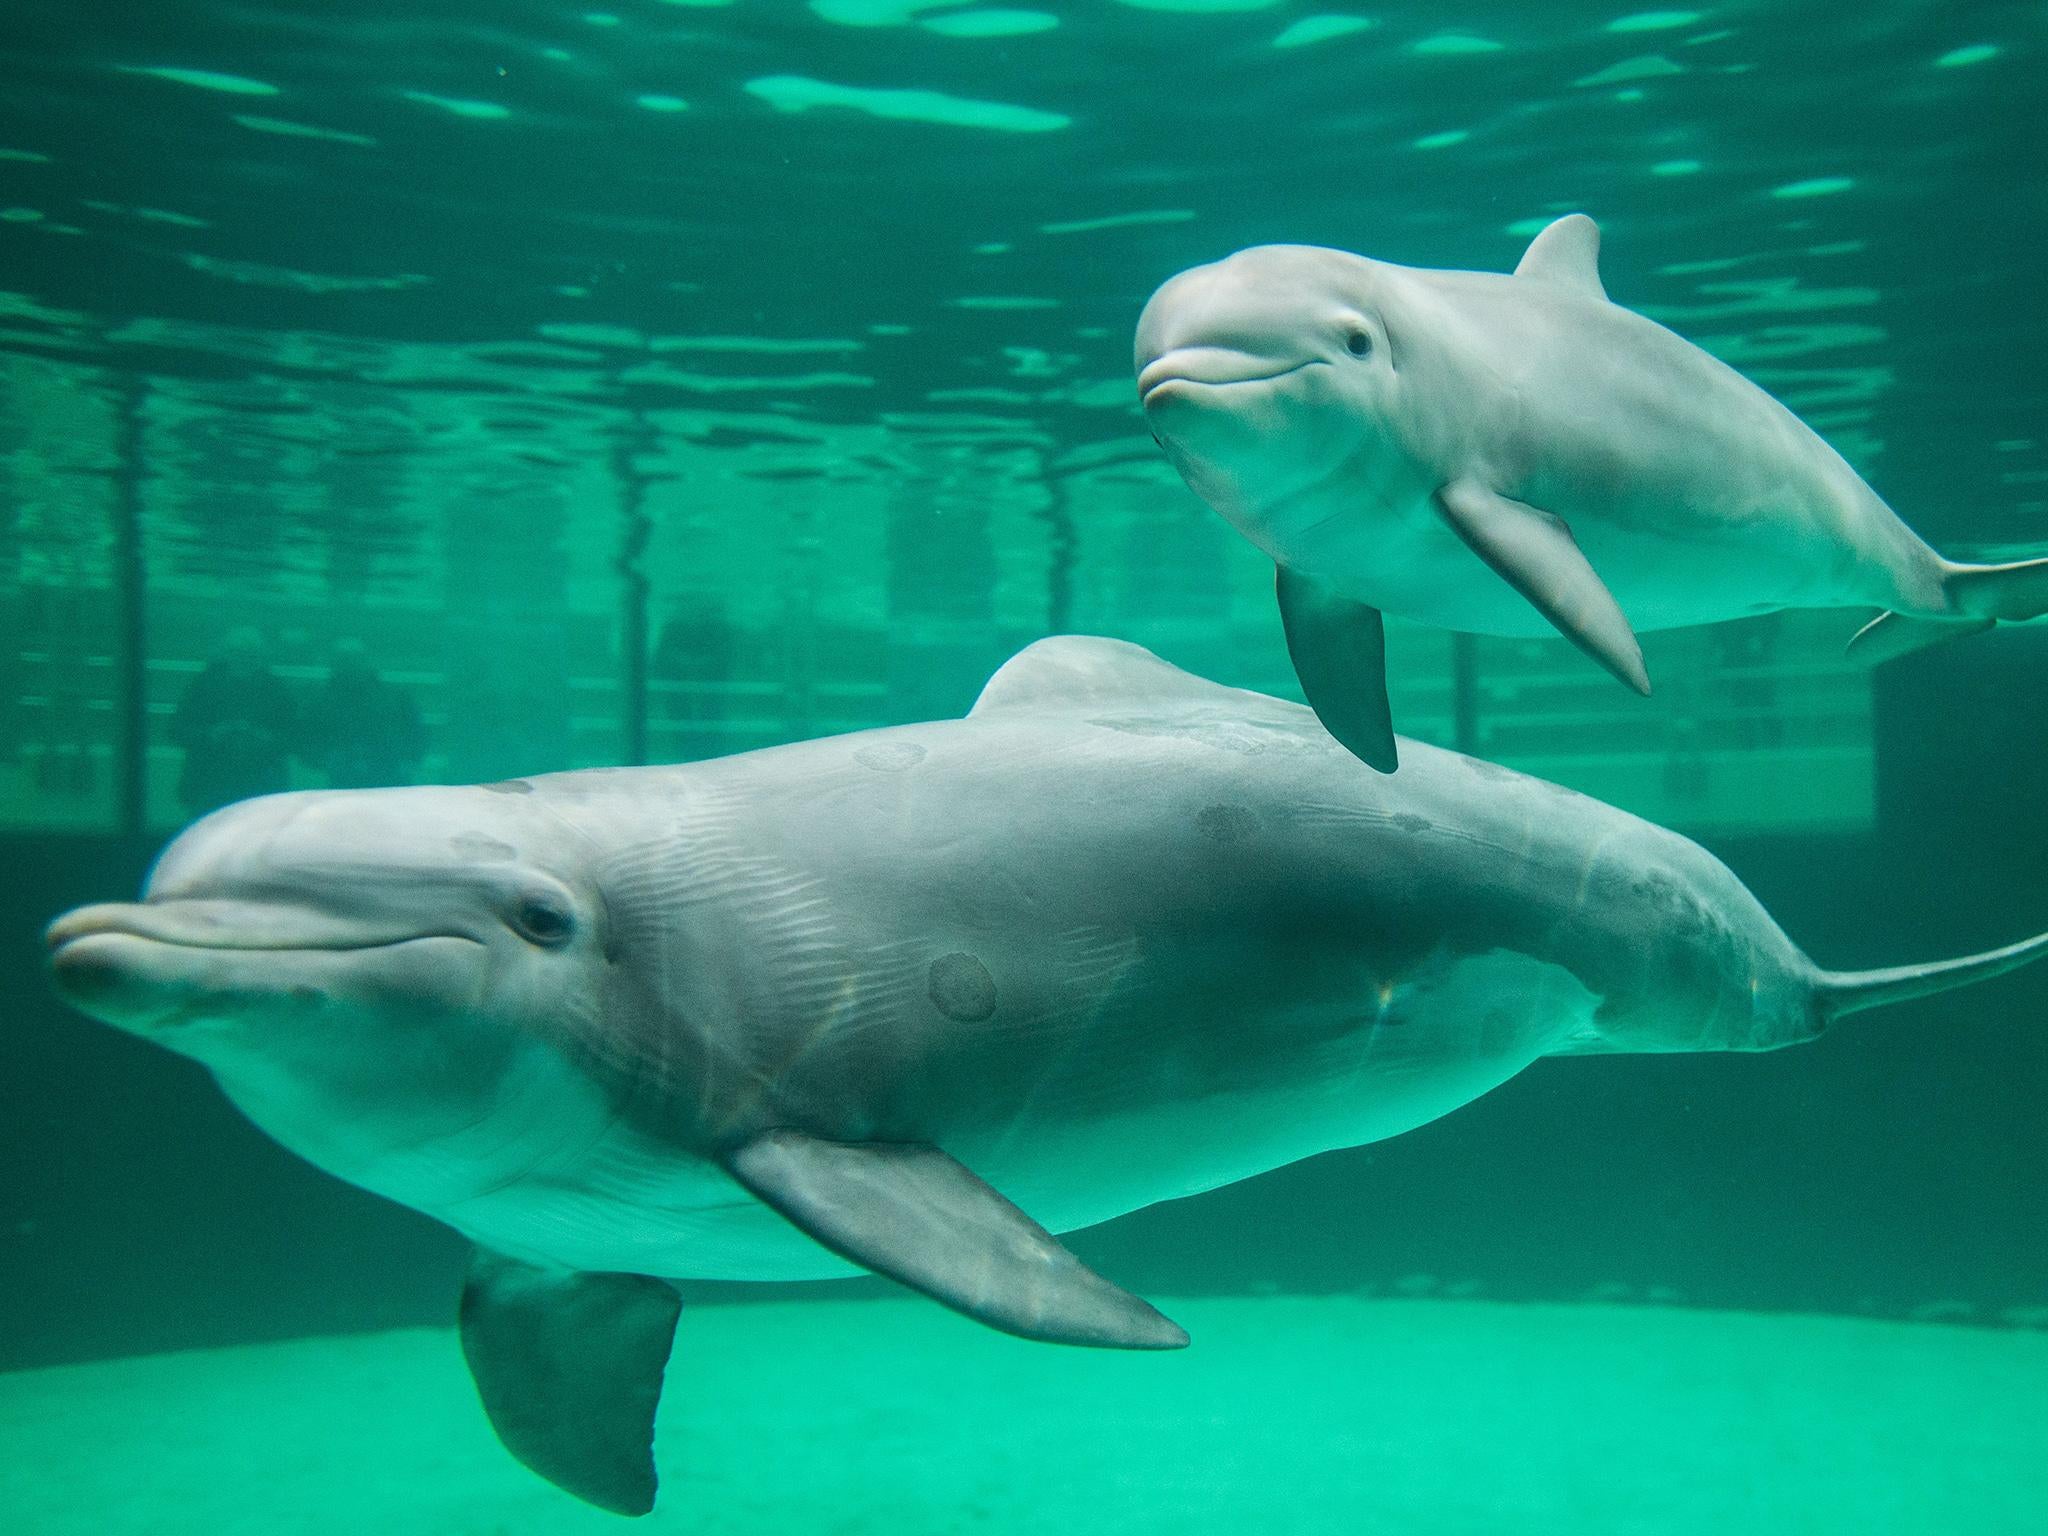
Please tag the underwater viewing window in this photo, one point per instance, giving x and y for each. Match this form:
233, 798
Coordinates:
717, 714
538, 583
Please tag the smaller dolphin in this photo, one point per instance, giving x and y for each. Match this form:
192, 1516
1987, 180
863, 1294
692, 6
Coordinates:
1118, 936
1373, 428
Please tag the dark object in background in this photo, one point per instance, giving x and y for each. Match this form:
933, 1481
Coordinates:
695, 645
236, 724
362, 731
1961, 732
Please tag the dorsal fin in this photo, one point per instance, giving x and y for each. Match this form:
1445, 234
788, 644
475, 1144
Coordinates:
1075, 671
1566, 255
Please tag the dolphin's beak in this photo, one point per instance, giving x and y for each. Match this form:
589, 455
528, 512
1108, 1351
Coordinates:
1161, 370
137, 965
101, 973
127, 966
224, 925
1207, 366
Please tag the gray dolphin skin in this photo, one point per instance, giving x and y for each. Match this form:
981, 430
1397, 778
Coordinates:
1512, 454
1118, 936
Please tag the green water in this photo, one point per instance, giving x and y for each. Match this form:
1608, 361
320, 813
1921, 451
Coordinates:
652, 380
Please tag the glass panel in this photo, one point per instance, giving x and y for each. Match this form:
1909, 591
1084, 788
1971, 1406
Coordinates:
417, 601
60, 728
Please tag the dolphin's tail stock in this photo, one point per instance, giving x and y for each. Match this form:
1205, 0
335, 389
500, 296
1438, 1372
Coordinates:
1979, 596
1844, 992
2004, 594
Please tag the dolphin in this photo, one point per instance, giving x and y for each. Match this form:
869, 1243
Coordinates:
861, 1003
1374, 428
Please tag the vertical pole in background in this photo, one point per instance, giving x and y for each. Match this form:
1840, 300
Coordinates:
633, 531
798, 569
131, 649
1058, 518
1465, 693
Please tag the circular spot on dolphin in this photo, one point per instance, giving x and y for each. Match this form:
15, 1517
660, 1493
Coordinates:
890, 757
962, 988
480, 849
1408, 821
1226, 823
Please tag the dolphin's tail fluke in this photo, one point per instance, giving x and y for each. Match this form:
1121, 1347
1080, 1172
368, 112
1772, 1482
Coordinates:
1843, 992
1979, 596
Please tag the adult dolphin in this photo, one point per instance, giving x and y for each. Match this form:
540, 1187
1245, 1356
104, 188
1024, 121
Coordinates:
1373, 428
1118, 936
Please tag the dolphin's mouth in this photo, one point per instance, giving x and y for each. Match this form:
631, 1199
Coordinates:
154, 968
224, 925
1209, 367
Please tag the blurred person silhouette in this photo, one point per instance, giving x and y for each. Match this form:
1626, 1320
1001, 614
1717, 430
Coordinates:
695, 644
363, 731
694, 654
235, 723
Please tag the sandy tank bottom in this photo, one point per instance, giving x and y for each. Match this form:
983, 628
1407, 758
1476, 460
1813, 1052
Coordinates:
1291, 1414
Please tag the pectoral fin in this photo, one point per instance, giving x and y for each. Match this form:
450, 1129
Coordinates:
914, 1214
569, 1368
1534, 552
1339, 650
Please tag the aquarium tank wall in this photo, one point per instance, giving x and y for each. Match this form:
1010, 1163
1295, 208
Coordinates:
460, 390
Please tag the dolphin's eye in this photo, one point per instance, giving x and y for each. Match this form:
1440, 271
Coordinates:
1359, 344
544, 921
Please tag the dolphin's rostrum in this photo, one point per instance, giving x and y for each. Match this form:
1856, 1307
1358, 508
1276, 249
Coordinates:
1374, 428
1119, 936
